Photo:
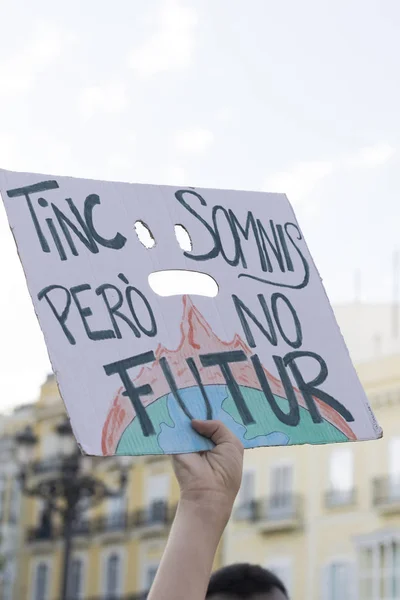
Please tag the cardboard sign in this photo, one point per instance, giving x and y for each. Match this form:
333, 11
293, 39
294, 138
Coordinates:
265, 355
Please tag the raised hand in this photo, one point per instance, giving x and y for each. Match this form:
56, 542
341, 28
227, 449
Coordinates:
211, 479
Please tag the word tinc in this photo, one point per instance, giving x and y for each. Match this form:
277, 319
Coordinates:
308, 389
83, 228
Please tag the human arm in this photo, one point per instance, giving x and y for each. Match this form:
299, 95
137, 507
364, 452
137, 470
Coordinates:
209, 482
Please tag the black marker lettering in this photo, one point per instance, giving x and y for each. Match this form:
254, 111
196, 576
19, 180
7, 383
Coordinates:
173, 387
236, 241
195, 372
117, 242
84, 230
152, 331
66, 225
243, 310
179, 195
85, 312
63, 316
282, 239
121, 368
291, 418
56, 239
275, 247
114, 311
296, 343
245, 231
299, 252
35, 189
306, 276
222, 360
310, 389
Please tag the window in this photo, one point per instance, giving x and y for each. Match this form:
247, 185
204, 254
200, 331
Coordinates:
379, 570
394, 469
50, 445
75, 582
151, 572
116, 511
41, 584
81, 524
337, 581
246, 495
281, 494
14, 501
113, 575
2, 496
157, 496
8, 580
341, 475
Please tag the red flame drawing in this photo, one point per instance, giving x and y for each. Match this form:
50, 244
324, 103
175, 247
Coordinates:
197, 337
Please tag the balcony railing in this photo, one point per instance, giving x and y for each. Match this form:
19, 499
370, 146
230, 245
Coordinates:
272, 512
336, 498
158, 514
47, 465
137, 596
386, 493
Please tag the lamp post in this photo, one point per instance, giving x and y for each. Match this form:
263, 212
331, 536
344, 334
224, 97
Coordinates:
64, 491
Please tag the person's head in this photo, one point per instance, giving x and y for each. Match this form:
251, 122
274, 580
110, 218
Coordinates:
245, 582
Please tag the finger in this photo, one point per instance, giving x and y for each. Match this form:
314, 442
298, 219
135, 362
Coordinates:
216, 431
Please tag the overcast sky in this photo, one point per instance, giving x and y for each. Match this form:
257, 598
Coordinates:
299, 97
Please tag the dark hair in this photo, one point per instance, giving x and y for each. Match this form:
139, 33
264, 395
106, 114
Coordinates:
243, 581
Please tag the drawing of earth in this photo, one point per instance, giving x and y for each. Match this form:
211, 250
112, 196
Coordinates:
168, 419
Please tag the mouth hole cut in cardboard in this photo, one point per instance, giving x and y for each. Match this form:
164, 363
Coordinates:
176, 282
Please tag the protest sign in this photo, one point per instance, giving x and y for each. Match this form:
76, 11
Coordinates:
265, 355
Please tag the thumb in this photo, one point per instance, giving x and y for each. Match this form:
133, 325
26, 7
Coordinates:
216, 431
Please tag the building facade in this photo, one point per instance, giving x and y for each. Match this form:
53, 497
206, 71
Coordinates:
11, 530
326, 519
117, 545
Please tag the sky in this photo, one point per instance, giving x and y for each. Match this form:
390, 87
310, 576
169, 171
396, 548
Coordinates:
288, 96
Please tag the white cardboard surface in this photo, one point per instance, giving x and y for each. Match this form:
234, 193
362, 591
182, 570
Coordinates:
265, 355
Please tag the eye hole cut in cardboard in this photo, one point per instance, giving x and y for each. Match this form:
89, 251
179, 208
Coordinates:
262, 351
183, 238
144, 234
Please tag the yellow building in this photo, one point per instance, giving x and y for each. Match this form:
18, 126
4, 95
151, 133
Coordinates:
325, 518
11, 533
117, 545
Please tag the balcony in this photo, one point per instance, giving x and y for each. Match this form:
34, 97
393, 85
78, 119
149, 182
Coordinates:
136, 596
113, 523
336, 498
40, 534
155, 519
275, 513
150, 521
386, 494
47, 466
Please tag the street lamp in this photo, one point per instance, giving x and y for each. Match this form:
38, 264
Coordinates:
63, 492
